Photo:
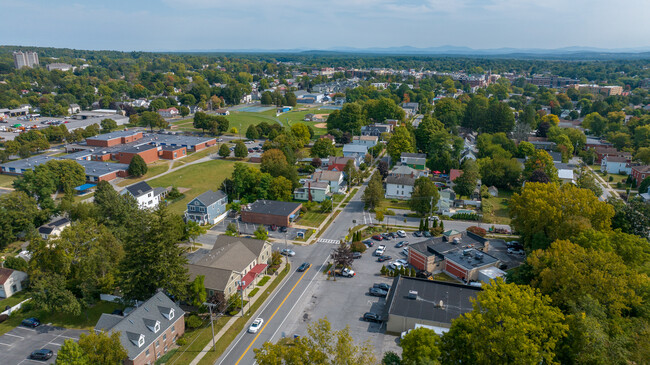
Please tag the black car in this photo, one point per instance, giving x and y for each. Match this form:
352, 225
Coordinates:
118, 312
31, 322
371, 317
376, 292
383, 258
426, 234
356, 255
304, 266
417, 234
42, 354
369, 243
401, 244
382, 286
515, 245
283, 229
387, 236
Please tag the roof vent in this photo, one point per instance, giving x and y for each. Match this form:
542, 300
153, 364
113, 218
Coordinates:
467, 252
479, 256
413, 294
456, 240
441, 304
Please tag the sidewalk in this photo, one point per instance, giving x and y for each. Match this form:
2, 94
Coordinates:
231, 321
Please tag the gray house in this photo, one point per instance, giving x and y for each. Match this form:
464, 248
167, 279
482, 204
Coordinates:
207, 208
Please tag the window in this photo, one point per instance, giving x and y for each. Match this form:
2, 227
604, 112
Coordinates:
164, 337
157, 343
173, 329
147, 353
171, 314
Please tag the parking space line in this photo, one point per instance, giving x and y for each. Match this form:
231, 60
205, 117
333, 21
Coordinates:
5, 344
9, 334
26, 329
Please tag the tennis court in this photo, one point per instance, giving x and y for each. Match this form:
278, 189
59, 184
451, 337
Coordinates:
331, 107
255, 109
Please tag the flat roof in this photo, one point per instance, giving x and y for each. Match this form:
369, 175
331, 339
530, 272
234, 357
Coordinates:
113, 135
470, 258
98, 168
272, 207
455, 299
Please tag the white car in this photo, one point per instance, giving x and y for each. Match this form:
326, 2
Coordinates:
395, 265
256, 325
401, 233
402, 262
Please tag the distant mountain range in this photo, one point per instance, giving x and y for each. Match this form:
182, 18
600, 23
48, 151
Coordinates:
448, 50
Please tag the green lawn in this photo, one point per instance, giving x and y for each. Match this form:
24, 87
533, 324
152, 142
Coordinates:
200, 154
501, 212
444, 277
14, 299
154, 169
86, 320
312, 219
241, 120
6, 181
198, 178
393, 204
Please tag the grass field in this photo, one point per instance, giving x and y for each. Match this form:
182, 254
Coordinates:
393, 204
198, 178
6, 181
154, 169
86, 320
241, 120
202, 153
312, 219
295, 116
14, 299
501, 212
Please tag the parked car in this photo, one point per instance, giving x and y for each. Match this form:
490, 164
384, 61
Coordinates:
31, 322
515, 244
376, 292
401, 233
394, 265
371, 317
401, 244
383, 258
386, 236
434, 218
42, 354
344, 272
426, 234
405, 251
273, 227
283, 229
369, 243
287, 252
402, 262
356, 255
516, 251
377, 237
380, 250
382, 286
304, 266
256, 325
417, 234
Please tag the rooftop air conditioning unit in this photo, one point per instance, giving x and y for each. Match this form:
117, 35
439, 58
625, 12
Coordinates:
456, 240
467, 252
413, 294
479, 256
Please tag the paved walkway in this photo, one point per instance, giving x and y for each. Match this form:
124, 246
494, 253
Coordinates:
231, 321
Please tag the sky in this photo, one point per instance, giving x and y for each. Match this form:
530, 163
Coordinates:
177, 25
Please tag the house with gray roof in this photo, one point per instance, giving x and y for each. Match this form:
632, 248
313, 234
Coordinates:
53, 228
146, 196
149, 331
399, 186
207, 208
231, 260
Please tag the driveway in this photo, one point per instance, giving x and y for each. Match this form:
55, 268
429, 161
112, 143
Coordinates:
17, 344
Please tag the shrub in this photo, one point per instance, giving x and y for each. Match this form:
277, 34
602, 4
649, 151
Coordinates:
181, 341
193, 321
253, 292
389, 212
477, 230
174, 194
611, 178
264, 280
358, 247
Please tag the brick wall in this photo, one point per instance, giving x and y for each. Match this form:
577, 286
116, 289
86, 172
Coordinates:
169, 155
164, 345
149, 156
455, 270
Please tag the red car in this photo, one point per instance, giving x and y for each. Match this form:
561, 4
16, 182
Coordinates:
377, 237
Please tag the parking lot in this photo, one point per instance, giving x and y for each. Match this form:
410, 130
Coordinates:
71, 124
17, 344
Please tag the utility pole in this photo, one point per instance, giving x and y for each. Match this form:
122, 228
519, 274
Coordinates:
286, 245
210, 305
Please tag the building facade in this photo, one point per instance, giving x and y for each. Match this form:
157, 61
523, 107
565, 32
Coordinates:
207, 208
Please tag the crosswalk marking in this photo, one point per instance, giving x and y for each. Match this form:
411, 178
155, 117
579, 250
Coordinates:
326, 240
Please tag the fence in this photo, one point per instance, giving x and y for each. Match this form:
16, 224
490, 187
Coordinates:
15, 307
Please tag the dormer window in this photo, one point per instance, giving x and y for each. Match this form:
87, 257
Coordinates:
141, 341
153, 326
171, 314
167, 312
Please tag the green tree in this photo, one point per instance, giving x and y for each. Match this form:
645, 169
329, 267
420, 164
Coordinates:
71, 354
281, 189
424, 197
240, 150
137, 166
15, 263
152, 120
18, 213
224, 151
193, 230
549, 212
401, 141
509, 324
323, 148
153, 259
184, 111
500, 172
101, 348
266, 99
374, 192
261, 233
196, 293
643, 155
349, 119
301, 131
273, 162
586, 180
379, 216
525, 149
449, 111
465, 184
231, 230
252, 132
108, 125
540, 160
49, 294
420, 346
476, 112
326, 206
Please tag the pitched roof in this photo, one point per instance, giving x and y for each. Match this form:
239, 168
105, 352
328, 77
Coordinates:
327, 175
615, 159
355, 148
139, 189
132, 327
210, 197
5, 274
400, 180
413, 155
454, 174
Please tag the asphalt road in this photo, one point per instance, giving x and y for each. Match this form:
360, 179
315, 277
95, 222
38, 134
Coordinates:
17, 344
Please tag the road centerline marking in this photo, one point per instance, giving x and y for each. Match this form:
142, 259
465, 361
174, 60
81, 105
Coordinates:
270, 318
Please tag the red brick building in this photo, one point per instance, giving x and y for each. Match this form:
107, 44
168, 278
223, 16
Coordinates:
172, 152
114, 138
269, 212
610, 151
149, 331
639, 173
149, 154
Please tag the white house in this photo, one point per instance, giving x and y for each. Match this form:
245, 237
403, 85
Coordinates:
73, 109
356, 151
145, 195
566, 176
168, 113
368, 141
399, 186
11, 282
615, 165
333, 178
53, 228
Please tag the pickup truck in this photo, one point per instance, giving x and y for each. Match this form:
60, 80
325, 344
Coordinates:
344, 272
380, 250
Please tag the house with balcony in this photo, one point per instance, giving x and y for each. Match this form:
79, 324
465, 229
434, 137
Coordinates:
207, 208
